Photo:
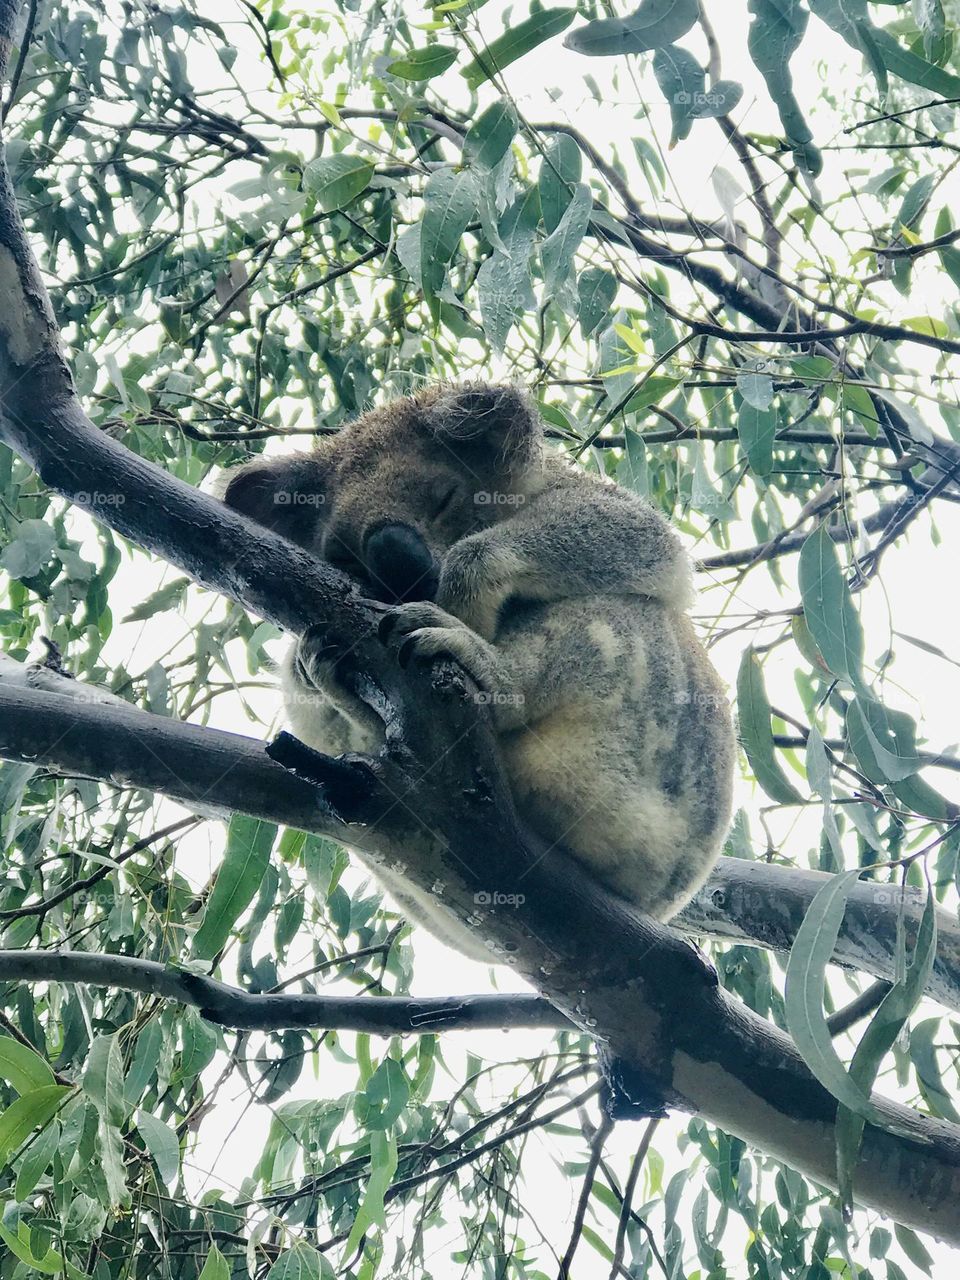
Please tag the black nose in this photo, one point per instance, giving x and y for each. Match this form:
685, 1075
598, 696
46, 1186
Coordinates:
399, 564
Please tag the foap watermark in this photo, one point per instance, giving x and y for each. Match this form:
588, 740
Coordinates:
684, 698
484, 699
298, 498
494, 898
485, 498
98, 498
700, 100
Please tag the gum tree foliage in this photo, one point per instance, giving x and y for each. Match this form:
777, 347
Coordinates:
253, 223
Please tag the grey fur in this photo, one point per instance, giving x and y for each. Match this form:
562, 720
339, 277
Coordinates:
563, 596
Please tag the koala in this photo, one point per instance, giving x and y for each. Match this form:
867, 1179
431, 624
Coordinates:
562, 595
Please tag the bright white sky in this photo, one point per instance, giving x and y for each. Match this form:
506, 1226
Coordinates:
914, 590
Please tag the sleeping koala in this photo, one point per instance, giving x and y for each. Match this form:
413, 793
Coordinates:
562, 595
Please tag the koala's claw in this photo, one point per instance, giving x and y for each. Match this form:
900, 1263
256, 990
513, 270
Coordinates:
319, 650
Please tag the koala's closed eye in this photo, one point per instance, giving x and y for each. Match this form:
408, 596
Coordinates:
443, 499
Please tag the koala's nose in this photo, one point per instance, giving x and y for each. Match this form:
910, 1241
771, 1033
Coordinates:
399, 564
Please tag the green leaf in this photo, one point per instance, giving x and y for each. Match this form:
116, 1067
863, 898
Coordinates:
915, 202
633, 471
336, 181
450, 201
162, 1144
50, 1263
559, 178
949, 256
37, 1159
828, 607
30, 1111
819, 778
681, 80
503, 281
911, 67
756, 388
515, 43
215, 1266
490, 135
652, 390
383, 1165
810, 954
913, 1247
302, 1262
22, 1066
424, 64
386, 1095
757, 429
557, 251
249, 843
775, 34
29, 550
753, 712
596, 289
881, 1035
654, 24
103, 1079
866, 716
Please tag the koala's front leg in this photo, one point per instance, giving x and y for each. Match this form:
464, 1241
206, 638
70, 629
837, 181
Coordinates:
476, 577
432, 633
321, 709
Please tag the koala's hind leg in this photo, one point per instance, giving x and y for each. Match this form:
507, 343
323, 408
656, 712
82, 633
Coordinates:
431, 633
323, 712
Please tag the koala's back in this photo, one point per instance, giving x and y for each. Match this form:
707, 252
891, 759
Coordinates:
630, 765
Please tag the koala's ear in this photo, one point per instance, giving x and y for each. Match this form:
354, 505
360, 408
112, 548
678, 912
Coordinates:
287, 495
500, 419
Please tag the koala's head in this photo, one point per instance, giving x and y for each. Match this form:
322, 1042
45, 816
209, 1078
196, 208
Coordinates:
386, 497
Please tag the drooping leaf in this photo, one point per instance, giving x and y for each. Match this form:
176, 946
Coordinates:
450, 201
383, 1165
681, 79
775, 35
103, 1079
28, 1112
828, 607
249, 842
880, 1036
22, 1066
490, 135
757, 429
557, 251
514, 43
215, 1266
560, 172
803, 992
162, 1144
597, 289
337, 180
654, 24
753, 712
424, 64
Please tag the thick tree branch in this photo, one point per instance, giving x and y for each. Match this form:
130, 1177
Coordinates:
751, 903
230, 1007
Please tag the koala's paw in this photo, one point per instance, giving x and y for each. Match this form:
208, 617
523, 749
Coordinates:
429, 632
321, 659
475, 580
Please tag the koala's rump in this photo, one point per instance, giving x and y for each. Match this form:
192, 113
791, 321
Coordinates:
628, 761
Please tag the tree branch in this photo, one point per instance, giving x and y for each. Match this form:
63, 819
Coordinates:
231, 1007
